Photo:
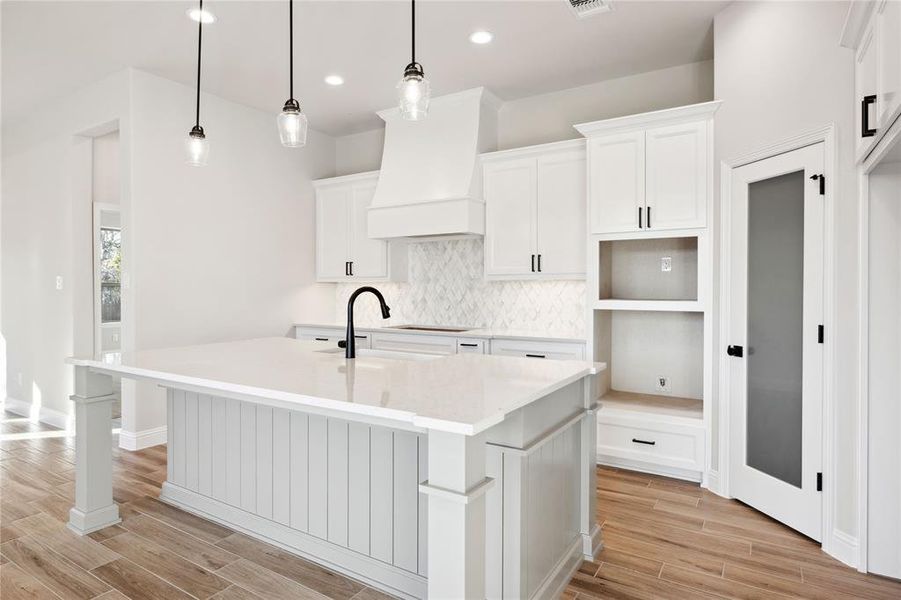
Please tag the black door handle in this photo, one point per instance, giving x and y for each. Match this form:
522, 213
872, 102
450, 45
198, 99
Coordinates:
351, 268
533, 263
649, 217
321, 339
539, 263
469, 345
865, 130
736, 351
640, 224
535, 356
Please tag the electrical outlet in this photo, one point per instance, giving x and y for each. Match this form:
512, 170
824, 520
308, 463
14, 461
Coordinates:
662, 383
666, 264
59, 282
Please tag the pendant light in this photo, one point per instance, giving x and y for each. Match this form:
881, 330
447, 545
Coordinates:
197, 147
413, 90
292, 123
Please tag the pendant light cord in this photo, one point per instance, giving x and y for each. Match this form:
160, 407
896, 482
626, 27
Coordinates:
291, 49
199, 47
413, 36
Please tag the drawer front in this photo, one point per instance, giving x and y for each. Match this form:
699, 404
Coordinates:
329, 336
530, 349
661, 444
471, 346
422, 344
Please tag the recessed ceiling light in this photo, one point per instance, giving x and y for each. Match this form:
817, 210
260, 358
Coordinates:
202, 16
334, 80
481, 37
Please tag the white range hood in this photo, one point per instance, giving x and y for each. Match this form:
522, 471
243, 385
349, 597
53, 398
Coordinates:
430, 181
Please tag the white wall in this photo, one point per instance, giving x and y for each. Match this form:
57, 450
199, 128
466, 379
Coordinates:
550, 117
780, 72
218, 253
105, 180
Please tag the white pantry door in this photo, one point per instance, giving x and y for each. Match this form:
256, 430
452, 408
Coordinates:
776, 349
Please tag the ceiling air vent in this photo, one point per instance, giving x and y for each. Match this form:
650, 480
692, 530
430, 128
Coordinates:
586, 8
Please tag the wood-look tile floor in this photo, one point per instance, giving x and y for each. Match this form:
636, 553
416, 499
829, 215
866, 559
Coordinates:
664, 539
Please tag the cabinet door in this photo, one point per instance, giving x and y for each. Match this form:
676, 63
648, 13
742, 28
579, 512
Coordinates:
865, 75
676, 176
369, 256
888, 77
561, 213
511, 191
332, 240
616, 182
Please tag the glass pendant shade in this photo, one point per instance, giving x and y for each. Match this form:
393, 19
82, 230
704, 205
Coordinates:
292, 125
197, 148
413, 93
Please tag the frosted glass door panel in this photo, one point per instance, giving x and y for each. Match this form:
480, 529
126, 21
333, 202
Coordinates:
775, 325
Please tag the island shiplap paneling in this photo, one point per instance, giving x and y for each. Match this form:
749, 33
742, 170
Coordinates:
381, 494
281, 466
299, 465
248, 457
358, 488
337, 482
352, 484
204, 445
318, 477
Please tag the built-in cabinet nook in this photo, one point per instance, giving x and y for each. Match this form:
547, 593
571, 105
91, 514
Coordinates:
650, 180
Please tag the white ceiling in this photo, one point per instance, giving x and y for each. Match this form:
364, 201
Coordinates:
52, 48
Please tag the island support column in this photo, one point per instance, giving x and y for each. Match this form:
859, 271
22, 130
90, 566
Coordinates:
588, 522
94, 506
456, 490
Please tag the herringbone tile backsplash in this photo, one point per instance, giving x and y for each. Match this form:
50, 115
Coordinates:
446, 287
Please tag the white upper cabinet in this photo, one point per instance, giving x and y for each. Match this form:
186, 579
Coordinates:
535, 212
617, 192
873, 31
676, 176
650, 172
344, 251
511, 197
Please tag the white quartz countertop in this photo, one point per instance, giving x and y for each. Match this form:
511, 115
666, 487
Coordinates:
461, 393
479, 332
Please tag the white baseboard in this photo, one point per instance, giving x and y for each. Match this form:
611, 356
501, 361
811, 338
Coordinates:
843, 547
634, 465
714, 484
43, 414
138, 440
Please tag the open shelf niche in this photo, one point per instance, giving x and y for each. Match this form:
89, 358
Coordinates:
648, 274
643, 347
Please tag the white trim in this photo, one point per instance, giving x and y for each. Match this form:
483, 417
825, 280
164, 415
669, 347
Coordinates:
138, 440
41, 414
527, 151
855, 22
669, 116
828, 136
843, 547
471, 495
343, 179
652, 468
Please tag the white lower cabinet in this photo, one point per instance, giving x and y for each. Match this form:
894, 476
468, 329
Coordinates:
329, 337
538, 349
471, 346
640, 439
415, 343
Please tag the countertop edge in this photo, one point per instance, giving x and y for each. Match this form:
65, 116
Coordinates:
481, 333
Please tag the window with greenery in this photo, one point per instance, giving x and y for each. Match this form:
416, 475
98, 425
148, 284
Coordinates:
110, 269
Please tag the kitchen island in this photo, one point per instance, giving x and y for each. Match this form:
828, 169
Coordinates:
464, 476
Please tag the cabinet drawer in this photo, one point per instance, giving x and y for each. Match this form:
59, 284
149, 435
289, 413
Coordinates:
422, 344
531, 349
471, 346
329, 336
663, 444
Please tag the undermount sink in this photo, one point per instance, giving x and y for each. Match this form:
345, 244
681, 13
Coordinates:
390, 354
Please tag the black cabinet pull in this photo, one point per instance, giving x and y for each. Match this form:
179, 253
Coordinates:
865, 130
469, 345
645, 442
347, 268
649, 217
360, 337
736, 351
640, 225
533, 263
351, 268
535, 356
321, 339
539, 263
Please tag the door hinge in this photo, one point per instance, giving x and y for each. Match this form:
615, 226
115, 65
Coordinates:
820, 333
819, 482
822, 179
